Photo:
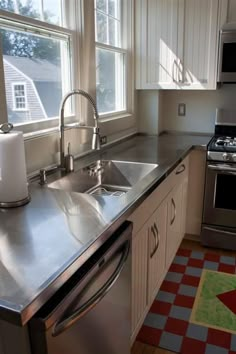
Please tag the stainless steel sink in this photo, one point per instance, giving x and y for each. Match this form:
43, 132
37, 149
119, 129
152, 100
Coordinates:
104, 177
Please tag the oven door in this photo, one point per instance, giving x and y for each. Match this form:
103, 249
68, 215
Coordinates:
220, 195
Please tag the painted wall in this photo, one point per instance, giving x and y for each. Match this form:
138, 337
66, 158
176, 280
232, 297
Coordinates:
200, 108
158, 111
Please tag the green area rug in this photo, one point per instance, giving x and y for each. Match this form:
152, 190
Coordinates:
208, 309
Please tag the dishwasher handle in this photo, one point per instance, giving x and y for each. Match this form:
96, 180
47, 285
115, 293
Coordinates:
64, 324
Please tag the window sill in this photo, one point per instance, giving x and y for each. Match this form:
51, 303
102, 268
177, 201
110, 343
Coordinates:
114, 118
53, 130
40, 133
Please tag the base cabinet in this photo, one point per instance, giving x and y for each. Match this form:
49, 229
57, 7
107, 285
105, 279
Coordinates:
174, 231
156, 249
156, 240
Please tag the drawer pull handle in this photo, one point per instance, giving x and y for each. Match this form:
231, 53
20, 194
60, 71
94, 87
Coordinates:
173, 219
154, 235
181, 169
155, 232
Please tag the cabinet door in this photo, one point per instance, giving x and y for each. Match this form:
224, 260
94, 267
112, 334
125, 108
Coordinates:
156, 250
198, 44
174, 222
139, 276
156, 43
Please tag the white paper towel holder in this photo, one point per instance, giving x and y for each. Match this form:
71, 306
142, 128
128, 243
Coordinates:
5, 128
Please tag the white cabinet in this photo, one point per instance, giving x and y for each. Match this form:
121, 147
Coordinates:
227, 11
198, 34
156, 43
174, 223
158, 228
156, 250
176, 44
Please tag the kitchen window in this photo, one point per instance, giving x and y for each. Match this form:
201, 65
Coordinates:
36, 50
111, 58
19, 96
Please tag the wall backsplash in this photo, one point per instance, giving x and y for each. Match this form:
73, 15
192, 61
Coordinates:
200, 109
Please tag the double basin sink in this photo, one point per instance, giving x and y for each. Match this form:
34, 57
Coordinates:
104, 178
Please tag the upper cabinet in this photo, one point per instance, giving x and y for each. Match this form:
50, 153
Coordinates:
176, 44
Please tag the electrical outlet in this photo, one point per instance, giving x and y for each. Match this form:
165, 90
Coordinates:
103, 140
181, 109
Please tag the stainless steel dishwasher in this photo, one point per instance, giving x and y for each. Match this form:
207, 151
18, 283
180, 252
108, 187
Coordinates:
91, 313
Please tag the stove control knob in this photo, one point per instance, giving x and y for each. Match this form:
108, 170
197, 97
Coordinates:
226, 157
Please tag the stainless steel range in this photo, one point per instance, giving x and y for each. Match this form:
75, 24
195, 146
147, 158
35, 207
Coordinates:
219, 213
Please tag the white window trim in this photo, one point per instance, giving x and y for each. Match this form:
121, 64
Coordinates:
13, 85
127, 48
35, 26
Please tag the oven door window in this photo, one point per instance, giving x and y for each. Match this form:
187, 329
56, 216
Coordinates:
229, 58
225, 192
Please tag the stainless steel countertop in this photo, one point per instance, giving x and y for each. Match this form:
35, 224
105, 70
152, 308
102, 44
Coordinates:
43, 243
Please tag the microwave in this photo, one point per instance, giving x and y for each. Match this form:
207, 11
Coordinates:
227, 54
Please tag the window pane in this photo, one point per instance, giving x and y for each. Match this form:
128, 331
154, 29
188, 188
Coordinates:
108, 26
101, 5
44, 10
113, 8
110, 81
101, 28
39, 63
114, 33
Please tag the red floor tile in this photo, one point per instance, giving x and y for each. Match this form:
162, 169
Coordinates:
196, 263
161, 307
170, 287
220, 338
212, 257
176, 326
177, 268
184, 252
226, 268
149, 335
190, 280
193, 346
184, 301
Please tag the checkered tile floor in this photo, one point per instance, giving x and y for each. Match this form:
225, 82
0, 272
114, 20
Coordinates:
167, 324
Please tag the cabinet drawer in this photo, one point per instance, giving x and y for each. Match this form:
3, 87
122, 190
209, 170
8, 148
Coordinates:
180, 172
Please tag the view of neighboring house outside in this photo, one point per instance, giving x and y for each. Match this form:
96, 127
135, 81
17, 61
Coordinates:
33, 89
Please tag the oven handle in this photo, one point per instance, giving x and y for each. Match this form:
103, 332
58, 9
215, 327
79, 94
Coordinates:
222, 168
222, 231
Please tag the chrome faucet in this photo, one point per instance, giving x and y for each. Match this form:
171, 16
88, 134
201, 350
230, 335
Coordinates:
63, 126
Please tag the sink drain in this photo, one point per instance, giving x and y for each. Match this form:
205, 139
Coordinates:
105, 192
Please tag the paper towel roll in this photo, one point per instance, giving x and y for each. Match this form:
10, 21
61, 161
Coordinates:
13, 179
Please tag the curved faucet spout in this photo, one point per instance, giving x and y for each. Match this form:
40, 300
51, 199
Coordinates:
95, 128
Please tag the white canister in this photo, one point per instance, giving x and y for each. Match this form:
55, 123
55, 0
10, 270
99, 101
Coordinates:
13, 178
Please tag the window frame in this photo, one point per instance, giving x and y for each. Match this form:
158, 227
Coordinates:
37, 26
13, 85
125, 48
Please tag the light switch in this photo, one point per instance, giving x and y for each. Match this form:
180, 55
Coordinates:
181, 109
